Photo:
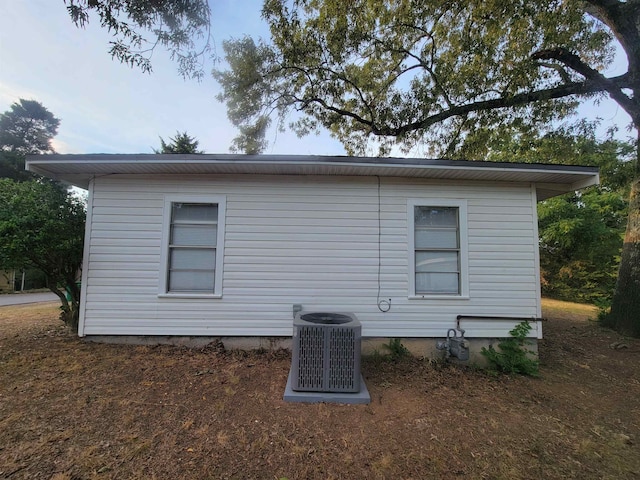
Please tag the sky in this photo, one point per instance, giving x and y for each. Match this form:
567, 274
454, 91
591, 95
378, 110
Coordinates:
108, 107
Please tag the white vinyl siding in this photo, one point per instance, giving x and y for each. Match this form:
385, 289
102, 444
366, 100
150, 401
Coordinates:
310, 240
192, 251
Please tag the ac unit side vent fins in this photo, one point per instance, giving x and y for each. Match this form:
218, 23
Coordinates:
326, 353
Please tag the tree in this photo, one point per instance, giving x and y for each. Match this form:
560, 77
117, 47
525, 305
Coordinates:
580, 245
449, 72
42, 226
580, 232
180, 26
181, 143
26, 128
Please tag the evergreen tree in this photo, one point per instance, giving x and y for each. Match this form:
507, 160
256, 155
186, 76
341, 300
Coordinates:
26, 128
181, 143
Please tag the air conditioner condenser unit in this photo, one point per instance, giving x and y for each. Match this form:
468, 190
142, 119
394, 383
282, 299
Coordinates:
326, 352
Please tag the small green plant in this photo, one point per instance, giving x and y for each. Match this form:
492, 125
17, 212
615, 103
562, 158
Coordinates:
396, 349
512, 355
604, 309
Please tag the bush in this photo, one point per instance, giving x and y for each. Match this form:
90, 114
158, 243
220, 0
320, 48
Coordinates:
513, 356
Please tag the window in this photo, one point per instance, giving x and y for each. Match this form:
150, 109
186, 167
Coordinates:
438, 249
193, 239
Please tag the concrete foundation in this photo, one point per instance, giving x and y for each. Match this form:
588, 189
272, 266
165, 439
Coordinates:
361, 397
419, 347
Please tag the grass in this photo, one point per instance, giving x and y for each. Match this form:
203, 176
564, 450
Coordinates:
76, 410
559, 310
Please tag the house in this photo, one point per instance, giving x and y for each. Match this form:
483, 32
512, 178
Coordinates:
184, 246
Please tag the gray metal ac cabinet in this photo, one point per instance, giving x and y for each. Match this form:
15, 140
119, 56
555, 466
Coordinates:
326, 352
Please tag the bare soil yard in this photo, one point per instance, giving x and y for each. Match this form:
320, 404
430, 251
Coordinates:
76, 410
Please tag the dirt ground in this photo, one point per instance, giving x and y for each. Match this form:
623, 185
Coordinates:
76, 410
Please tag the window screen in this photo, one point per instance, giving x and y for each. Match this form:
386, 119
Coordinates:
437, 250
192, 247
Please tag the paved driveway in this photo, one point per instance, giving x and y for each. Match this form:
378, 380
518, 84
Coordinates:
20, 298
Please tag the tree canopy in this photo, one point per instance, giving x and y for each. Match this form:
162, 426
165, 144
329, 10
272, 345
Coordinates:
580, 232
181, 143
405, 72
26, 128
42, 226
454, 76
41, 223
180, 26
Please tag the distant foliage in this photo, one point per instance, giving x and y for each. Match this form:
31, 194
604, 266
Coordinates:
581, 232
580, 240
42, 226
26, 128
181, 143
512, 356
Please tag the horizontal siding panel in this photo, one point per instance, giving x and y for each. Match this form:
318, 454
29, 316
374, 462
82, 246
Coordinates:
132, 210
316, 249
497, 240
501, 233
328, 247
125, 250
524, 256
504, 249
498, 210
308, 239
477, 263
156, 221
301, 209
238, 223
275, 228
128, 259
130, 227
123, 204
508, 218
283, 261
335, 276
325, 214
124, 235
121, 265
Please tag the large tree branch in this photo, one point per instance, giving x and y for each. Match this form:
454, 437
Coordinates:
621, 18
566, 90
562, 91
574, 62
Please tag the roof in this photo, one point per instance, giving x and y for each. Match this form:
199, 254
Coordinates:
78, 170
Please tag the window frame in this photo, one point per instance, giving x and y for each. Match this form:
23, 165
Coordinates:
462, 231
169, 201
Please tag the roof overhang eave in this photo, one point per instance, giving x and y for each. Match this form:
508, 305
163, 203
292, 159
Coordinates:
78, 170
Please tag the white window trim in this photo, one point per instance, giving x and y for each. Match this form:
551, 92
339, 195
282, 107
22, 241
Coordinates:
221, 201
461, 204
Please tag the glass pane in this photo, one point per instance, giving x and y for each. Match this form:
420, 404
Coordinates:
196, 258
437, 262
436, 216
436, 238
200, 281
437, 283
196, 235
198, 212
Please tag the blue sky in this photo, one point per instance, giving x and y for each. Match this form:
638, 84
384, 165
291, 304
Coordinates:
107, 107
